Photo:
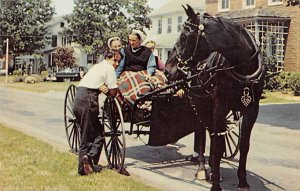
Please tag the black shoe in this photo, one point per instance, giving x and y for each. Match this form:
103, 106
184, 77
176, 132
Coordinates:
97, 168
192, 159
124, 172
87, 164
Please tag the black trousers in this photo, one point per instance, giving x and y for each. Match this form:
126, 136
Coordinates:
86, 111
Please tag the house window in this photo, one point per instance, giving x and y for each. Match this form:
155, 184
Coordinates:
272, 38
159, 26
179, 25
91, 59
249, 4
275, 2
169, 30
54, 41
66, 41
223, 5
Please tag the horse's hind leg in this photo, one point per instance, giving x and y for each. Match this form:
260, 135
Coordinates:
249, 118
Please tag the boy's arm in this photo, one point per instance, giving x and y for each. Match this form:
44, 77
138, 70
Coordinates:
111, 82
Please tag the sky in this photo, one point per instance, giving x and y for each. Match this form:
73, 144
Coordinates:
63, 7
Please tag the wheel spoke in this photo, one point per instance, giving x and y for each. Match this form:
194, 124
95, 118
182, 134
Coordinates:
228, 144
232, 140
235, 133
70, 110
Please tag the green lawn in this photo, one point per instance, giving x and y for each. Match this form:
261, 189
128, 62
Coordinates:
279, 97
43, 87
27, 164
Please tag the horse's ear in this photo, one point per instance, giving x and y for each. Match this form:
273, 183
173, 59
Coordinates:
190, 12
185, 9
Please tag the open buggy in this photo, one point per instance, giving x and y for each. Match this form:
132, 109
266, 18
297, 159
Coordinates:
160, 114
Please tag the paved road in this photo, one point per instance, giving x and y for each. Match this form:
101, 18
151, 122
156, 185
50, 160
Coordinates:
273, 162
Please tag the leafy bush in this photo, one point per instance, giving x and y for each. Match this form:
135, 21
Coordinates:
17, 73
18, 79
30, 80
285, 81
294, 83
64, 57
272, 80
39, 78
44, 75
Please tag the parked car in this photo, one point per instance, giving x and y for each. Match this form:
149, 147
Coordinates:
70, 74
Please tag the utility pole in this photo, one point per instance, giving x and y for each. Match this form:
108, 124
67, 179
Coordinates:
6, 59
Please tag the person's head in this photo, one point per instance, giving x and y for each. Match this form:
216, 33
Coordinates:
151, 45
114, 43
113, 57
136, 38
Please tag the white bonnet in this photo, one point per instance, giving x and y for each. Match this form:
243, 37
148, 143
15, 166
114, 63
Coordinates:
140, 33
110, 41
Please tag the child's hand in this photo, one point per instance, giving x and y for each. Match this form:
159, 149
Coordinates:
104, 89
180, 93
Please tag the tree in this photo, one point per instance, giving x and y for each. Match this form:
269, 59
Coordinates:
94, 21
63, 57
24, 23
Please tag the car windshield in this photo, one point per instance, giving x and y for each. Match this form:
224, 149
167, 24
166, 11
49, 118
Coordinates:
68, 70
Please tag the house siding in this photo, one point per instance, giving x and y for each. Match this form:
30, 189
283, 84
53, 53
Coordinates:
292, 49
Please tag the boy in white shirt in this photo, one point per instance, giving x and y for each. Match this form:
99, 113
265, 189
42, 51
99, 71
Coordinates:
100, 78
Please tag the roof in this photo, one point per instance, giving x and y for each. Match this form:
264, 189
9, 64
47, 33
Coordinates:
173, 6
250, 13
164, 40
56, 20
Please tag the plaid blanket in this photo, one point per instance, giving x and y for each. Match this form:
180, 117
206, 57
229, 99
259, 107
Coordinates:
132, 84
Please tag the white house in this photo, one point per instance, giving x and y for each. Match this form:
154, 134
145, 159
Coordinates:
56, 28
167, 23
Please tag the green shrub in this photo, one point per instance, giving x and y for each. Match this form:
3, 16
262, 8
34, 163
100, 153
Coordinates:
17, 73
294, 82
284, 82
30, 80
18, 79
44, 75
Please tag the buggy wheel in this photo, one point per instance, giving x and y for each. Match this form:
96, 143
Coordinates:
71, 125
232, 137
114, 144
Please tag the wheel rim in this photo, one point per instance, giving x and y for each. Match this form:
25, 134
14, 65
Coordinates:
232, 137
114, 134
71, 125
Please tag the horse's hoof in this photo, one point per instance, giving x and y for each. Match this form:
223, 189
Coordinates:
210, 178
244, 189
201, 175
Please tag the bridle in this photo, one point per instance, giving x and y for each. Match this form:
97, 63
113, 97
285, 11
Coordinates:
182, 65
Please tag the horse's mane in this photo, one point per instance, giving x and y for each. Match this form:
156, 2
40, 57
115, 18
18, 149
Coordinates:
232, 29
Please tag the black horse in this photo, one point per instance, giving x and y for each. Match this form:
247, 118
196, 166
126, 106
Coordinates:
230, 77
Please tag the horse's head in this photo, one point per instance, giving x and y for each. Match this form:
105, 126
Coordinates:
189, 48
204, 34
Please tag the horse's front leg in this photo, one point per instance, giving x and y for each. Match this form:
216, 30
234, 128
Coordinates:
249, 118
217, 146
200, 139
216, 152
